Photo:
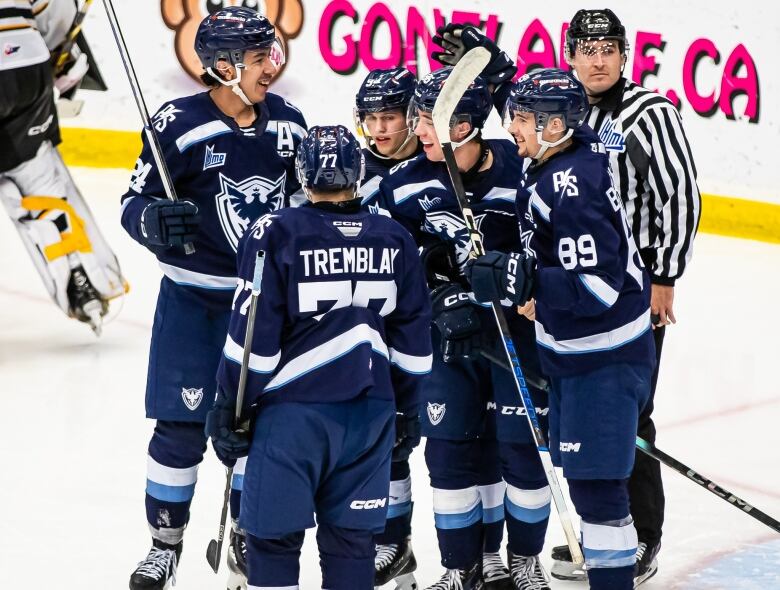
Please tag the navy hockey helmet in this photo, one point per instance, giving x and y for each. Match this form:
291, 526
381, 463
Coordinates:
548, 93
473, 107
385, 90
329, 159
593, 25
228, 34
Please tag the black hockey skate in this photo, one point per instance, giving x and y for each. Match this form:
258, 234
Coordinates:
470, 579
395, 563
158, 570
494, 573
86, 304
564, 568
528, 573
236, 560
646, 562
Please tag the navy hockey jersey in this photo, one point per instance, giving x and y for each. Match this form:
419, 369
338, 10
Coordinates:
376, 169
418, 193
592, 292
342, 306
234, 175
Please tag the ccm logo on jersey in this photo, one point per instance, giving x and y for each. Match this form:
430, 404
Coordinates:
520, 411
568, 447
349, 229
368, 504
38, 129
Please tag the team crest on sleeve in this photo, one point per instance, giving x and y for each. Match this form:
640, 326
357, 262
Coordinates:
192, 397
436, 412
239, 203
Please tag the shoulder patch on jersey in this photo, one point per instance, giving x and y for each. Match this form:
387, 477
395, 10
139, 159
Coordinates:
164, 116
611, 136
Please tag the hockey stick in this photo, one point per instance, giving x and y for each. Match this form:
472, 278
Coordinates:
465, 72
650, 449
70, 39
151, 136
214, 549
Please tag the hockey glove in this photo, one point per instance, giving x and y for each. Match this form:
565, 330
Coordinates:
169, 223
457, 40
228, 442
456, 318
496, 276
438, 261
407, 435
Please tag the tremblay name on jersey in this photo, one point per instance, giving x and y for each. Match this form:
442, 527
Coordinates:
348, 260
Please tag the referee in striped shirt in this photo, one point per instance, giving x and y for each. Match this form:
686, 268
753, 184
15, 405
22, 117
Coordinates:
654, 171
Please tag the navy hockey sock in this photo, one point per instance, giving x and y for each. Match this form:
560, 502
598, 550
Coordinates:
273, 563
175, 450
527, 498
346, 557
608, 536
399, 510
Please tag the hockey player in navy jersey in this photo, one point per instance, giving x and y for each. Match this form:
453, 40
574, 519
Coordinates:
471, 410
592, 296
231, 154
336, 351
380, 118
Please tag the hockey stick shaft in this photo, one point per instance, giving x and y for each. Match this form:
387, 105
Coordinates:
151, 136
70, 40
214, 549
465, 72
709, 485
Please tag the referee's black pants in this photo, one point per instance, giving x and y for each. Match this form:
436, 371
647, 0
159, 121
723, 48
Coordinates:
645, 488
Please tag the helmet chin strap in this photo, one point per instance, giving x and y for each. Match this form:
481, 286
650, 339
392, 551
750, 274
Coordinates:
409, 135
233, 84
549, 144
472, 134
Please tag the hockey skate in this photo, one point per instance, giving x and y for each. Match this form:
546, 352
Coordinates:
236, 560
528, 573
395, 563
158, 570
646, 562
564, 568
86, 304
470, 579
494, 573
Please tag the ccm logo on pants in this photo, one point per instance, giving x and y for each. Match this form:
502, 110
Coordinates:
368, 504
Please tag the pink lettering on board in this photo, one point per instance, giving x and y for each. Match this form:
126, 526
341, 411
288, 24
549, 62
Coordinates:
704, 104
380, 13
416, 30
529, 58
345, 62
646, 65
734, 84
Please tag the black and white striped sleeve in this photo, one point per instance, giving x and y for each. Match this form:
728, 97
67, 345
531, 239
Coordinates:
674, 200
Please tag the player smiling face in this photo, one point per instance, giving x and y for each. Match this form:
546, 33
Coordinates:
598, 64
523, 128
388, 129
260, 68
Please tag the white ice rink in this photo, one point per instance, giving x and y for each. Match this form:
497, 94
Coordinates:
74, 436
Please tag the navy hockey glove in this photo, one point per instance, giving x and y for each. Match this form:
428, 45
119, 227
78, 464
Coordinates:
457, 40
228, 443
456, 318
496, 276
438, 261
169, 223
407, 435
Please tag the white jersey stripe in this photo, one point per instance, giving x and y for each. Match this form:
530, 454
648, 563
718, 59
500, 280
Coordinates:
409, 190
190, 278
257, 363
596, 342
600, 289
419, 365
202, 133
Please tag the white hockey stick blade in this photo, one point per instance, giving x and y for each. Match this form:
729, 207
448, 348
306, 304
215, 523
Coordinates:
463, 75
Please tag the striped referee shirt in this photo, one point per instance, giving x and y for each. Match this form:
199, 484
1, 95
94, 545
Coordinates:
653, 168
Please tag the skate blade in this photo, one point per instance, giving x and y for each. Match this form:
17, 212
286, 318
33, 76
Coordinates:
236, 581
651, 571
569, 571
402, 582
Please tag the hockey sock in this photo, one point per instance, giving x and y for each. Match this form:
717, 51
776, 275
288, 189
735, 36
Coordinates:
454, 468
399, 510
527, 499
346, 557
236, 487
608, 536
492, 497
175, 450
274, 563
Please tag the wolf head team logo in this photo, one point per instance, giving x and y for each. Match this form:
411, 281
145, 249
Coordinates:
184, 16
451, 228
436, 412
239, 203
192, 397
